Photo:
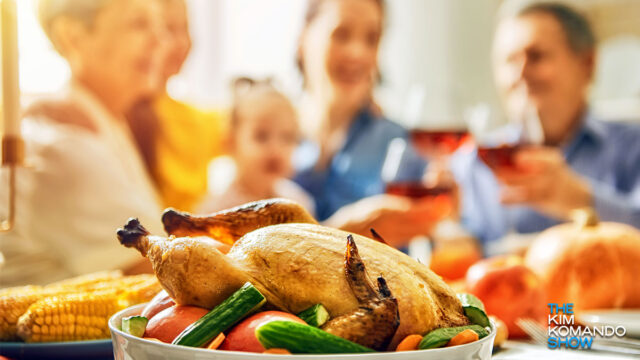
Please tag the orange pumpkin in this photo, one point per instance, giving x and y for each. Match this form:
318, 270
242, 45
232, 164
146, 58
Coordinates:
588, 263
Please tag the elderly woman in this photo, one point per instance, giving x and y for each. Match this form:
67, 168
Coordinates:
84, 176
341, 161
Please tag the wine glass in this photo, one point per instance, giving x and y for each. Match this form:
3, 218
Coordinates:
498, 140
437, 125
437, 129
403, 175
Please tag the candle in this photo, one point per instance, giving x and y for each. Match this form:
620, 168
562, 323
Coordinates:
10, 85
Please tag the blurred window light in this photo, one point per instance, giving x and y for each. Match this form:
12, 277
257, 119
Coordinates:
618, 73
42, 69
239, 37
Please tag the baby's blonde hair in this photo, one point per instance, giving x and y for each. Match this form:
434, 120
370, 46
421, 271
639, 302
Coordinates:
246, 89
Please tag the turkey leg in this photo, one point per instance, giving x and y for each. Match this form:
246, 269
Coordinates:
229, 225
191, 269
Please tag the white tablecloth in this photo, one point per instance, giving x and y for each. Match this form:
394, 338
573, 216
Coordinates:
523, 350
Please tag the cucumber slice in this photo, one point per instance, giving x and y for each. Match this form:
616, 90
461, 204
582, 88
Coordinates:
474, 309
304, 339
222, 317
477, 316
134, 325
440, 337
470, 300
316, 315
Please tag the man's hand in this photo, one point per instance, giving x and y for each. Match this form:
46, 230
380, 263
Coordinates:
543, 180
397, 219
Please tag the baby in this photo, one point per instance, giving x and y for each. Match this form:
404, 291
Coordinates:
263, 135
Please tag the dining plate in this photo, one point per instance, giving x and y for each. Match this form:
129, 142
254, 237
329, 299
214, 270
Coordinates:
629, 318
89, 349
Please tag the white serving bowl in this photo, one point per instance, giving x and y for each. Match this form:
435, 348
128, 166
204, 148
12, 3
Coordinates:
128, 347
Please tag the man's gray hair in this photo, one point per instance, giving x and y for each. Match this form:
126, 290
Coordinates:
575, 25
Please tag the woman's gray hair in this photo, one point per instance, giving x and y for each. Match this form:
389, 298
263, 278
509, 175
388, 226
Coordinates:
84, 11
575, 25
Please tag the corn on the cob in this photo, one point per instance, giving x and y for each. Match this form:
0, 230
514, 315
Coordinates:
138, 289
15, 301
69, 317
85, 315
102, 288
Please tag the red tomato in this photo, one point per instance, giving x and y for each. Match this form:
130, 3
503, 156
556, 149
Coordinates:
243, 336
170, 322
508, 289
159, 302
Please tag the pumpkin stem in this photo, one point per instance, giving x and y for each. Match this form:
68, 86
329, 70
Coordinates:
585, 217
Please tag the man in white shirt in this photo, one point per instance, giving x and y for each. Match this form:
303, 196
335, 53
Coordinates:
84, 176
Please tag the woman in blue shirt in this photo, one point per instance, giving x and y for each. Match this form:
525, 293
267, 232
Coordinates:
347, 138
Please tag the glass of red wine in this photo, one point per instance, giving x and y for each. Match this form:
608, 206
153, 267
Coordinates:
437, 125
437, 129
403, 175
498, 140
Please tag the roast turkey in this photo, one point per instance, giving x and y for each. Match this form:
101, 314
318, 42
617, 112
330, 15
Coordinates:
294, 262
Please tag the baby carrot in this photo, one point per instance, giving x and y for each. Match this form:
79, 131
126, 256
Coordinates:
411, 342
463, 337
215, 343
277, 351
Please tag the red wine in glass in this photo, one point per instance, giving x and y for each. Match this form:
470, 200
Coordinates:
434, 143
502, 156
416, 190
440, 197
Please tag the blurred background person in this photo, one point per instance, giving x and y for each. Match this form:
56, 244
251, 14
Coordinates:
263, 134
85, 176
177, 140
546, 52
346, 137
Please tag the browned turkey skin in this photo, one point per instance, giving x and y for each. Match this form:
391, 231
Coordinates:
297, 265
